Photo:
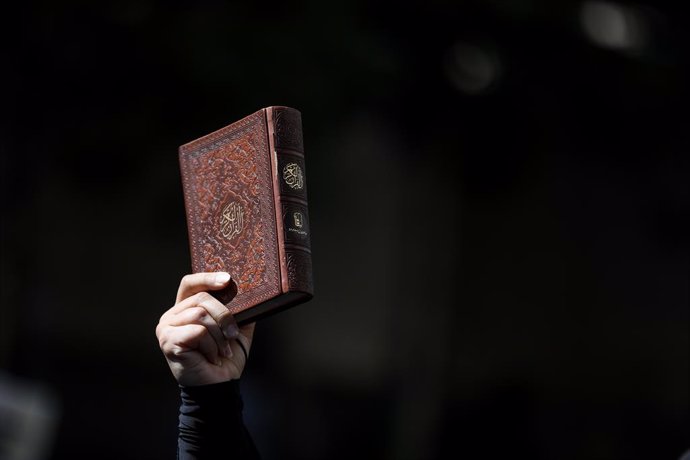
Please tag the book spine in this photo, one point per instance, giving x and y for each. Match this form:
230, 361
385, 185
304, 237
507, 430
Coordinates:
290, 193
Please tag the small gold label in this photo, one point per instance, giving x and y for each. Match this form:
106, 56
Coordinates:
292, 174
231, 220
298, 219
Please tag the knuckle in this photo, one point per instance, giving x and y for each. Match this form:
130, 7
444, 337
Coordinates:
202, 297
225, 318
198, 313
173, 351
164, 317
163, 336
186, 280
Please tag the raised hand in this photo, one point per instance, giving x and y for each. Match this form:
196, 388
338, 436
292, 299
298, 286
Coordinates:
199, 336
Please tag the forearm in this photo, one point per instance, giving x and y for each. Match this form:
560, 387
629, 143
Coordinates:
211, 424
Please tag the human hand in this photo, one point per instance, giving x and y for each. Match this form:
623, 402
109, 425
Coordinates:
199, 336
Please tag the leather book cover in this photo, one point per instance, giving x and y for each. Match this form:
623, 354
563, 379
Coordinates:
246, 205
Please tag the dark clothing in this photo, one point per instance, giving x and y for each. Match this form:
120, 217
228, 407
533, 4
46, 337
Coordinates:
211, 425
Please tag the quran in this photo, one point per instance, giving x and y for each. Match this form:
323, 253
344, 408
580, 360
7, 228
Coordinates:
245, 198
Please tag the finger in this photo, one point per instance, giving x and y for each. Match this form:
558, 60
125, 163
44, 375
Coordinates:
199, 282
178, 340
244, 341
247, 335
199, 315
219, 312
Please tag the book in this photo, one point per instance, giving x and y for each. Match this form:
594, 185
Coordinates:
245, 195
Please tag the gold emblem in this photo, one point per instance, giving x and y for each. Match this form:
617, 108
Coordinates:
299, 219
293, 176
231, 220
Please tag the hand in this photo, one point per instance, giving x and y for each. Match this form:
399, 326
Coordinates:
199, 336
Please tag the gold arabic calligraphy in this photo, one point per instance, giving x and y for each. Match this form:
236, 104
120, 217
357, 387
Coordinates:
292, 174
231, 220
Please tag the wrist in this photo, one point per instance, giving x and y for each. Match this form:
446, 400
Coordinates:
222, 398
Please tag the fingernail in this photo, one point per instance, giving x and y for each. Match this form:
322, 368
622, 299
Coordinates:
222, 278
228, 351
231, 331
219, 362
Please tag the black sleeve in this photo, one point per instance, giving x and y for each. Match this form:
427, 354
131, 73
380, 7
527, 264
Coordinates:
211, 425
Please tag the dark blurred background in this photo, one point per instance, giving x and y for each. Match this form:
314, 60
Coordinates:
499, 204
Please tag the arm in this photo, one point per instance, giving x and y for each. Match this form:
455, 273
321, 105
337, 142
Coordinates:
205, 351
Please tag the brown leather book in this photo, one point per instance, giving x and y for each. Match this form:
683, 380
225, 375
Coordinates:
246, 203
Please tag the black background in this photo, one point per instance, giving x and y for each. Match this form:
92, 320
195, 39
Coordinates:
498, 205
